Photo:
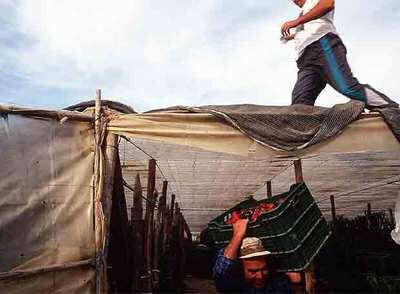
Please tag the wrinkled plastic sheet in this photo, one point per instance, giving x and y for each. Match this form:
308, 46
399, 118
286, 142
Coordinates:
208, 132
78, 280
46, 203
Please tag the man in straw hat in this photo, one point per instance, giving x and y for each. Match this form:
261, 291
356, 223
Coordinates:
244, 266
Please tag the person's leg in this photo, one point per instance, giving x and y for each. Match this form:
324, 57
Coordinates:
338, 74
308, 86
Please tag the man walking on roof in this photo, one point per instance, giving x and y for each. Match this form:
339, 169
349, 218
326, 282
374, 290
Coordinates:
322, 57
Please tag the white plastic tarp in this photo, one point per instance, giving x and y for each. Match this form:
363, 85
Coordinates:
46, 204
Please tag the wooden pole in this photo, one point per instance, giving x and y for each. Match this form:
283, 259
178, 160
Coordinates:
171, 216
309, 272
151, 179
269, 189
165, 229
162, 215
154, 238
175, 219
110, 157
181, 255
98, 224
138, 231
137, 207
158, 235
333, 210
298, 171
369, 209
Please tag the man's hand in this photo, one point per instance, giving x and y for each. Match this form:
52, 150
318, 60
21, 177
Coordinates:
285, 29
288, 38
240, 227
239, 232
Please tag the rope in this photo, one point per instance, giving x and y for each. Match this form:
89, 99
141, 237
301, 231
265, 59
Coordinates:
340, 195
158, 167
133, 190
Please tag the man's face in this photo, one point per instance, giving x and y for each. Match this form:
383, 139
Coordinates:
255, 271
299, 3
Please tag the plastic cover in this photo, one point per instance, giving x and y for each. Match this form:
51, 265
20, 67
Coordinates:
46, 203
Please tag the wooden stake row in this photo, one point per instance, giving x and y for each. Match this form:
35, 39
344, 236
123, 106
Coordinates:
159, 238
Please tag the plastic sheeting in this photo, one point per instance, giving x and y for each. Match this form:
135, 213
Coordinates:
370, 133
46, 203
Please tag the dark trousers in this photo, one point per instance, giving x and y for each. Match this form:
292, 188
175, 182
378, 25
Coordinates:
324, 62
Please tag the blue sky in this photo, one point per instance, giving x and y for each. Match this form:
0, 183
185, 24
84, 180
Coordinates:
156, 53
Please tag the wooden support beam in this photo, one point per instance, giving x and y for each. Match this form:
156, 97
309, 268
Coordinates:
137, 207
298, 171
176, 215
172, 213
333, 210
369, 210
148, 239
309, 272
151, 178
269, 189
181, 255
162, 211
158, 236
110, 151
165, 230
99, 225
164, 190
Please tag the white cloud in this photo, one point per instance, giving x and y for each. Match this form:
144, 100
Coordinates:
153, 53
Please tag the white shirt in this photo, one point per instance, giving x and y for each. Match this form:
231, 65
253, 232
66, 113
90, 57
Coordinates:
313, 30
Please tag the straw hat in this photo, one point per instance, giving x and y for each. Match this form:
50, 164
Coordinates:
252, 247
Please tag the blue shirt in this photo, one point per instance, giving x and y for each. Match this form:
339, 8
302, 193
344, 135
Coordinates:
228, 277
